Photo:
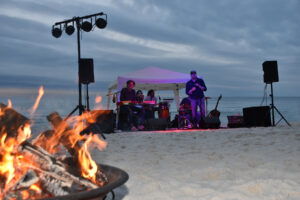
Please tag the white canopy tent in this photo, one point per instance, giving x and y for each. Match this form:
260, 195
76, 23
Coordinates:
152, 78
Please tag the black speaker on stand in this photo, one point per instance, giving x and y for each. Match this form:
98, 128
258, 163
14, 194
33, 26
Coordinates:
270, 69
86, 76
86, 71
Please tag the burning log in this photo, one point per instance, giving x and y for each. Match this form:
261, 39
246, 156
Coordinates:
42, 140
64, 134
50, 166
24, 188
11, 121
26, 181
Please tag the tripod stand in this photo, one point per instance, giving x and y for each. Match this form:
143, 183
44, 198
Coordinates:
79, 107
272, 107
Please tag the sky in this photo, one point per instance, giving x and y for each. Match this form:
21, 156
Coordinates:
226, 42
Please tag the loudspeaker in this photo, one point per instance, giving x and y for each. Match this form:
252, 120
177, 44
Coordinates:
209, 122
270, 71
257, 116
86, 70
156, 124
106, 120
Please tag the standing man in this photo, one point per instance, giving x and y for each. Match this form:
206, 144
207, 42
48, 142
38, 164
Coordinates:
194, 89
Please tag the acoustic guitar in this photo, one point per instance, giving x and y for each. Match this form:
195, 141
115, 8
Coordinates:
215, 112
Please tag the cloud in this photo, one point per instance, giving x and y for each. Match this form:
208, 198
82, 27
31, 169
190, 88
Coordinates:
226, 41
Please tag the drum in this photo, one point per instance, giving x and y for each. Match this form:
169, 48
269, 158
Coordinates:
163, 110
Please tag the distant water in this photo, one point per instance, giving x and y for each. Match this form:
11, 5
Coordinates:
65, 103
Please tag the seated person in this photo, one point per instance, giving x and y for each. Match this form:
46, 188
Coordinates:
126, 120
139, 110
139, 96
151, 96
150, 108
185, 114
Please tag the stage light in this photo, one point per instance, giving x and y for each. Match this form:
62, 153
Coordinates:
86, 26
101, 23
56, 32
70, 29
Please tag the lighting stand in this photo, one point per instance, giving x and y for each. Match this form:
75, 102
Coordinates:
272, 106
80, 107
86, 26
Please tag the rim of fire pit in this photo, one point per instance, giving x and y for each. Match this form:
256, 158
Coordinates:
116, 177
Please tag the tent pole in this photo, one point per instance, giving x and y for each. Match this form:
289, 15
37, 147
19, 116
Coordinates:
108, 98
176, 96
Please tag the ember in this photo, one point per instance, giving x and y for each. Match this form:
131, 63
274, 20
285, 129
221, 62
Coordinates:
37, 169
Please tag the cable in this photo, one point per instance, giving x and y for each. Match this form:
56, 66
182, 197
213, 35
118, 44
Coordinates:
265, 95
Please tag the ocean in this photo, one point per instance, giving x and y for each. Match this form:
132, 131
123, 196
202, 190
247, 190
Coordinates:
64, 102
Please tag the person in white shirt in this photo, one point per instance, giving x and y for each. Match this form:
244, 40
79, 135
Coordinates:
151, 96
150, 108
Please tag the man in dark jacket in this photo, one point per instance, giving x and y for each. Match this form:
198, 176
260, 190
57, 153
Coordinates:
128, 93
195, 90
126, 116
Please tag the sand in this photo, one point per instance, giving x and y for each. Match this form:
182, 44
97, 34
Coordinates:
222, 164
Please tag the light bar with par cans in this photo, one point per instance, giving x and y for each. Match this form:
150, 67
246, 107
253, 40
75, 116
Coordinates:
86, 23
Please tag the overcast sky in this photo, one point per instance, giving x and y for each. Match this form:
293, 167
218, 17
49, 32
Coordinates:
226, 42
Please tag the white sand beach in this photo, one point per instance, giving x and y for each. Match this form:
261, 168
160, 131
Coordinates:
222, 164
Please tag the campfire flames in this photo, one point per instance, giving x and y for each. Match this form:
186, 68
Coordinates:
14, 165
88, 165
37, 101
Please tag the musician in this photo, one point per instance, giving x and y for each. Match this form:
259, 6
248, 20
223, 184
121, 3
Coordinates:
139, 96
151, 96
127, 111
139, 110
150, 109
128, 93
195, 90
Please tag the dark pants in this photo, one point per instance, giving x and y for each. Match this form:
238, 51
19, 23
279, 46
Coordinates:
129, 116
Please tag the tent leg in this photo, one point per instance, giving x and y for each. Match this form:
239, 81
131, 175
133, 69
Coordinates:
176, 97
108, 99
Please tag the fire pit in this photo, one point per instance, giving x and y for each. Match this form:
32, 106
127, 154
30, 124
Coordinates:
116, 177
56, 164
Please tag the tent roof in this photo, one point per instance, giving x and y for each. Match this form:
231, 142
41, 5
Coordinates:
153, 78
